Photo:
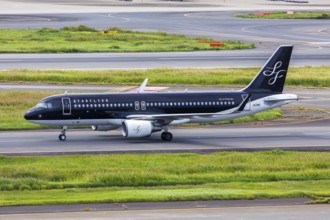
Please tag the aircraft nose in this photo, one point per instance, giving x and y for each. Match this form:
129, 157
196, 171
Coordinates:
27, 115
30, 115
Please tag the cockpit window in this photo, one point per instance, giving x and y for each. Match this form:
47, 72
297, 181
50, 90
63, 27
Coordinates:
44, 105
41, 105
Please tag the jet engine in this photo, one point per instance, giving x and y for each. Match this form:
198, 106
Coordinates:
138, 128
104, 127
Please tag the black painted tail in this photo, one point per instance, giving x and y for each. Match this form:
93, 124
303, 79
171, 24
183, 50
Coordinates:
272, 75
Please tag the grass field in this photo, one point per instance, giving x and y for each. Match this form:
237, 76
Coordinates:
285, 15
85, 39
14, 104
12, 108
297, 76
163, 177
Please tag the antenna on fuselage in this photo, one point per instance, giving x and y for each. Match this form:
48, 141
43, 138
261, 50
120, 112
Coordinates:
142, 86
66, 92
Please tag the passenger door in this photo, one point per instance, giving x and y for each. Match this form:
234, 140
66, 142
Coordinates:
66, 104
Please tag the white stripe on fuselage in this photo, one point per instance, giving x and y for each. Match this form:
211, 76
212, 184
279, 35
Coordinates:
251, 108
256, 106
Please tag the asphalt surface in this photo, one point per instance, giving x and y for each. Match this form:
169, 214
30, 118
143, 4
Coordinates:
294, 212
205, 139
203, 59
310, 38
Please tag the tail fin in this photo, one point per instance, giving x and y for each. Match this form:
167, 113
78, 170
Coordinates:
272, 75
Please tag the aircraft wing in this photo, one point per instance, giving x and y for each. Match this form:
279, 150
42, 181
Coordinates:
171, 117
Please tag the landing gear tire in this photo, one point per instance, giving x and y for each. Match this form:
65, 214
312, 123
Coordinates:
62, 137
166, 136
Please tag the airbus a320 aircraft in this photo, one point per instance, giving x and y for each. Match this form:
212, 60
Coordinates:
141, 114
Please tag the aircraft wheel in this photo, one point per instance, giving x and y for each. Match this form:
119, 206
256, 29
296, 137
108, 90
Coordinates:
166, 136
62, 137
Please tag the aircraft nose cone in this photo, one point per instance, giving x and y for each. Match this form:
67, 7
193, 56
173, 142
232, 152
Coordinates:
29, 115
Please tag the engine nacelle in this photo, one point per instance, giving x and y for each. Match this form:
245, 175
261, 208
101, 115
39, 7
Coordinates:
138, 128
104, 127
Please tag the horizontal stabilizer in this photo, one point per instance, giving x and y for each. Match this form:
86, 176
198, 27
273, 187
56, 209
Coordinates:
281, 97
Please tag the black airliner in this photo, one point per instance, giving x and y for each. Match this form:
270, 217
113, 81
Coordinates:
142, 113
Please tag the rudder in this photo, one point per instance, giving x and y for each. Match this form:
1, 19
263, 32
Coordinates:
271, 77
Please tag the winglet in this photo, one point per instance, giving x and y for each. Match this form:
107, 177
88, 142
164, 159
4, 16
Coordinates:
142, 86
243, 104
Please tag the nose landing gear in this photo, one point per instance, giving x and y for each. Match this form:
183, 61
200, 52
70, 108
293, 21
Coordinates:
62, 136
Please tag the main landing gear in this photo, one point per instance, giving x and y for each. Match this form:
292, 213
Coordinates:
62, 136
166, 136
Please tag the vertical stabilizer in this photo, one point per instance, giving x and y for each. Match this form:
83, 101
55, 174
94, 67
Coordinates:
272, 75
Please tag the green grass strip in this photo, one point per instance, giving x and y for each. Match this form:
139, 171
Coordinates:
13, 104
163, 177
285, 15
84, 39
297, 76
225, 191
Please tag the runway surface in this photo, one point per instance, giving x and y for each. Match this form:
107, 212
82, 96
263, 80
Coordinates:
203, 59
310, 38
293, 212
197, 139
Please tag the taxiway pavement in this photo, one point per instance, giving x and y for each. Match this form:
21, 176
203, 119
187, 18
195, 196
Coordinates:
292, 212
206, 139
